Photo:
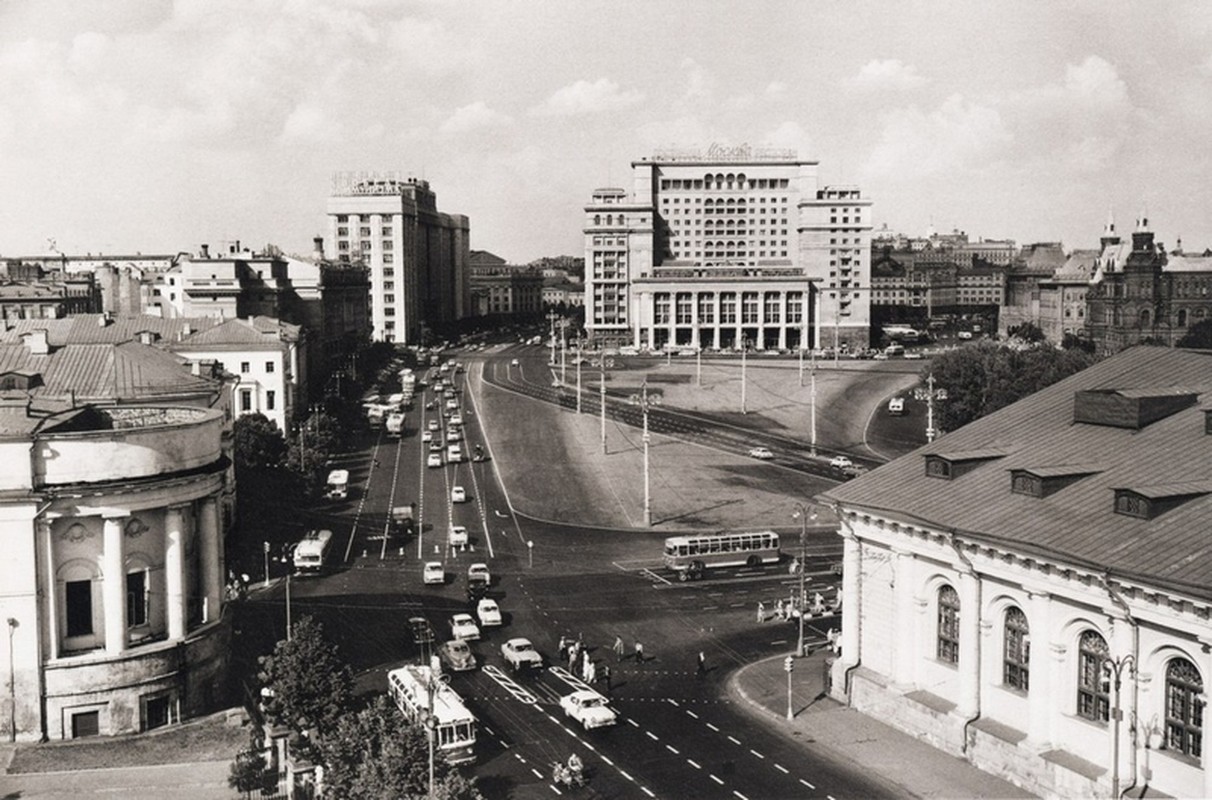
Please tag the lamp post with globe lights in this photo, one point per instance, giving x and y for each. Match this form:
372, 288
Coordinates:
645, 401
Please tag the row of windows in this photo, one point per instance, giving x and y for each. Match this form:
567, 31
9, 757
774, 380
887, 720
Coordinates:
271, 400
771, 303
725, 181
1184, 698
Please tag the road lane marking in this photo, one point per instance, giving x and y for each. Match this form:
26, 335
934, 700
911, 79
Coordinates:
653, 736
554, 789
714, 778
608, 761
734, 740
692, 763
672, 749
518, 756
756, 753
691, 713
647, 792
633, 723
738, 794
806, 783
625, 775
537, 774
781, 769
714, 728
673, 702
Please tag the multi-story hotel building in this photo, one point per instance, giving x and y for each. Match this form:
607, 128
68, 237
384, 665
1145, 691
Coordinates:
732, 247
417, 256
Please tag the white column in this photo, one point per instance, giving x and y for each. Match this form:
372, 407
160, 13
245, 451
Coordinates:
852, 612
903, 655
51, 587
715, 325
694, 321
174, 572
783, 320
211, 544
114, 585
1204, 760
1042, 690
970, 645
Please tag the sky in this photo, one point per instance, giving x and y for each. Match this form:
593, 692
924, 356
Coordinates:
154, 125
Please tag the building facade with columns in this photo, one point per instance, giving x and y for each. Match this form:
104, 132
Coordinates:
115, 494
728, 248
1030, 592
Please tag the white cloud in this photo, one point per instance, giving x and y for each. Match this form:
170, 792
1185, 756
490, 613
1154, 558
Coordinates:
789, 135
776, 90
958, 134
887, 74
475, 116
308, 122
699, 83
584, 97
1206, 67
1092, 154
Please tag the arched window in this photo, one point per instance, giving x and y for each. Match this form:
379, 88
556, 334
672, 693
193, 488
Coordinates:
948, 625
1144, 318
1182, 318
1016, 652
597, 219
1184, 708
1093, 701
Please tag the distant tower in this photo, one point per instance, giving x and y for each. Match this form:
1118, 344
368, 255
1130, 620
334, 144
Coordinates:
1109, 236
1142, 237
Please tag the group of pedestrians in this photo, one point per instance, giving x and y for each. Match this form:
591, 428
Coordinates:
788, 609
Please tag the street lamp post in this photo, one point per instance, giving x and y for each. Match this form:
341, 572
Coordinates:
646, 401
744, 350
803, 513
12, 681
563, 350
551, 318
1114, 668
602, 397
579, 348
812, 405
930, 394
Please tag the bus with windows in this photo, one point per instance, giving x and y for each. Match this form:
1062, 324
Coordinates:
421, 694
311, 551
691, 556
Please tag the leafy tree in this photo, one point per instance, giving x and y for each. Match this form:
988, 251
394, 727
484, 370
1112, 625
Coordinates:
1198, 336
258, 442
985, 377
310, 685
248, 771
319, 437
1074, 342
1028, 332
377, 754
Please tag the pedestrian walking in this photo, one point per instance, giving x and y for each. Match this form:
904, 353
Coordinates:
701, 668
606, 676
563, 648
585, 663
572, 657
778, 610
818, 603
761, 611
591, 673
618, 648
639, 652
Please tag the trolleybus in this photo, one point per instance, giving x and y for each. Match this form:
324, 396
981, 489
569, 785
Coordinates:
691, 556
422, 695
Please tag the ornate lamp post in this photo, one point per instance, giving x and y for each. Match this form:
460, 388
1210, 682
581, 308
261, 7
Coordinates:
1114, 669
803, 513
646, 401
930, 394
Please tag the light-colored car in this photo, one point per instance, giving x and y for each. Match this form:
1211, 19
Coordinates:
458, 494
426, 436
896, 405
462, 626
488, 612
588, 708
458, 536
760, 452
514, 362
456, 419
452, 404
457, 656
840, 462
434, 460
453, 434
479, 570
519, 653
433, 573
434, 425
964, 335
454, 453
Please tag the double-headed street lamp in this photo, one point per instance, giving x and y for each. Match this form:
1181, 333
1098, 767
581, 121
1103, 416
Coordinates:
744, 350
930, 394
803, 513
645, 401
1114, 669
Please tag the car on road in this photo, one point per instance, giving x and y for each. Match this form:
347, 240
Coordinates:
514, 363
456, 655
760, 452
914, 356
519, 653
488, 612
453, 435
422, 632
452, 404
458, 536
435, 447
588, 708
896, 405
964, 335
853, 471
456, 419
462, 626
479, 570
433, 573
426, 436
434, 425
434, 460
458, 494
840, 462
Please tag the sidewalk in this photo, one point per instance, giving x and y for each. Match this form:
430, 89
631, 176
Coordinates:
822, 723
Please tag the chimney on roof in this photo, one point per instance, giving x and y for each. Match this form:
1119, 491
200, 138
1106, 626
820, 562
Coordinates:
186, 329
37, 343
205, 250
317, 248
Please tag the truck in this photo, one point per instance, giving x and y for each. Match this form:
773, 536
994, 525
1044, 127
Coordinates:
337, 485
408, 381
395, 424
375, 415
311, 551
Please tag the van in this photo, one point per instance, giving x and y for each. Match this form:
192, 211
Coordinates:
337, 487
894, 350
311, 551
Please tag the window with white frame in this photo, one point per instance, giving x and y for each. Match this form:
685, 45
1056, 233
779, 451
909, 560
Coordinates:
948, 625
1093, 690
1184, 708
1016, 650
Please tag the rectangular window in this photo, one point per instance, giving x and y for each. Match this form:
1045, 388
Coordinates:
728, 308
269, 366
244, 366
388, 258
270, 398
246, 400
364, 232
86, 723
390, 299
79, 597
136, 598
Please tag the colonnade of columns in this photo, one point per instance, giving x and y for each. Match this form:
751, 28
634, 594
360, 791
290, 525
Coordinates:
707, 329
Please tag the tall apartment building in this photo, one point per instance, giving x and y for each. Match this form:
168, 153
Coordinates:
731, 247
417, 256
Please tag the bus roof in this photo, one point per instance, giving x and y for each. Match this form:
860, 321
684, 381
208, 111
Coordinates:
708, 536
447, 705
338, 476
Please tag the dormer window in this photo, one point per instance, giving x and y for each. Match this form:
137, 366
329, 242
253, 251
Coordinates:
1150, 502
954, 464
1043, 481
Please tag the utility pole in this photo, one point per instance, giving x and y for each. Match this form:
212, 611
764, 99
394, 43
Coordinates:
744, 350
563, 350
646, 401
698, 366
552, 316
812, 405
802, 513
930, 394
602, 395
579, 348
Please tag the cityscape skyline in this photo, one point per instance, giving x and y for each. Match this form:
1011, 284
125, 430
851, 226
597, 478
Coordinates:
158, 126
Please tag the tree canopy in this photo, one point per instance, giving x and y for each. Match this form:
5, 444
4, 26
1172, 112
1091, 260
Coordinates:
259, 443
310, 685
1198, 336
983, 377
377, 754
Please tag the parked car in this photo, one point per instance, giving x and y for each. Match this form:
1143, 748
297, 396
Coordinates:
457, 656
458, 536
426, 436
519, 653
588, 708
433, 573
840, 462
896, 405
760, 452
434, 425
853, 471
462, 626
488, 612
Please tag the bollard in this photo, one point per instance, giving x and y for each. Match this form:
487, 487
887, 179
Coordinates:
363, 554
401, 551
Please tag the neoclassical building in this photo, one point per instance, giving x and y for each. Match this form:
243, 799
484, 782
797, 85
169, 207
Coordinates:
729, 248
115, 493
1032, 592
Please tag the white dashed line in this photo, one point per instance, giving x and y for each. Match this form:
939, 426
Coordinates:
591, 747
672, 749
608, 761
673, 702
692, 763
537, 774
717, 780
518, 756
691, 713
756, 753
738, 794
714, 728
647, 792
781, 768
554, 789
806, 783
625, 775
734, 740
633, 723
652, 736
